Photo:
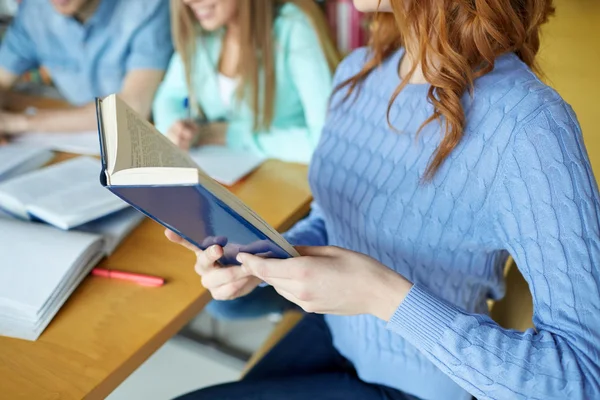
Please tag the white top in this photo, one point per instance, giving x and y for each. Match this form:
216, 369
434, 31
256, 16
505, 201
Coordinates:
227, 87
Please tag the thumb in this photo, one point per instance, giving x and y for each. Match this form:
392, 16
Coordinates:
248, 262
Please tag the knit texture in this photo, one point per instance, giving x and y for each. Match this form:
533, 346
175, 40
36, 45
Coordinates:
519, 183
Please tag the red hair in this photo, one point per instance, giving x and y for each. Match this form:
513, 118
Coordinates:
456, 42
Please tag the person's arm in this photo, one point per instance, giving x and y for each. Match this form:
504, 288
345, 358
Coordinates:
546, 210
138, 88
17, 53
7, 80
149, 54
310, 231
312, 78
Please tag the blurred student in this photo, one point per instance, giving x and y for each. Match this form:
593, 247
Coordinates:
91, 48
258, 73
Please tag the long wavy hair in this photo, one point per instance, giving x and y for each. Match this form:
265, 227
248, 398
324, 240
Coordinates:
257, 71
455, 41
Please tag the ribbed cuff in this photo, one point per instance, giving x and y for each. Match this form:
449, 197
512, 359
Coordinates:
422, 318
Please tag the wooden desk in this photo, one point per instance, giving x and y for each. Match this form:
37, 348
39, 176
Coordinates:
108, 328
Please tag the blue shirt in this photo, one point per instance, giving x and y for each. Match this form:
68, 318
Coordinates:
89, 60
518, 183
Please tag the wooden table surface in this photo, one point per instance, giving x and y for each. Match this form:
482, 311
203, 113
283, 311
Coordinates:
109, 328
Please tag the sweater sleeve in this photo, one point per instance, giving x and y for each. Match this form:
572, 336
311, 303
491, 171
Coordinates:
310, 231
312, 79
545, 212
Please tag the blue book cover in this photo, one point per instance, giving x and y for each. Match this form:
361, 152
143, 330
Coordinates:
196, 214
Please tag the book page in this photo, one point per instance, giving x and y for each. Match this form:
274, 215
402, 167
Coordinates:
224, 164
17, 159
66, 193
114, 228
84, 143
35, 260
149, 148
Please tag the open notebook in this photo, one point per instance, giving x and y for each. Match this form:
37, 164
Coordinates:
222, 163
40, 266
18, 159
145, 169
83, 143
65, 195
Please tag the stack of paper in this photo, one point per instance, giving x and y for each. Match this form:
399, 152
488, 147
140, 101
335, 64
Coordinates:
16, 160
40, 266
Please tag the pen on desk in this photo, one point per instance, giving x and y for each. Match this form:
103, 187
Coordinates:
140, 279
188, 109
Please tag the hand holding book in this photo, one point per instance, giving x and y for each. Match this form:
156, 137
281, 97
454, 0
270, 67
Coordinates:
144, 168
226, 283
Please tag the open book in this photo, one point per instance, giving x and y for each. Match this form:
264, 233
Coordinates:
83, 143
65, 195
17, 159
40, 267
142, 167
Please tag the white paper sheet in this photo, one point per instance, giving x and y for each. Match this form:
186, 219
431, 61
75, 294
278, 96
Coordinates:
84, 143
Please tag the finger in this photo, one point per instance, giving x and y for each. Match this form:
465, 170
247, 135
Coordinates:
211, 240
188, 130
271, 268
222, 276
260, 246
235, 289
175, 238
206, 260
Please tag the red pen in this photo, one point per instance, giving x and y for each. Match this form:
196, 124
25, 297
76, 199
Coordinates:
144, 280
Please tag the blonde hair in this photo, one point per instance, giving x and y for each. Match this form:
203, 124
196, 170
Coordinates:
256, 19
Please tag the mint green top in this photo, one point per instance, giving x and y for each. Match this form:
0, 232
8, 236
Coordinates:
303, 86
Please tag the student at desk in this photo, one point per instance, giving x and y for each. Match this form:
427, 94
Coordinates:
274, 105
259, 73
91, 48
442, 154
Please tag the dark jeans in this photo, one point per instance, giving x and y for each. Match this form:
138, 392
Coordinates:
303, 366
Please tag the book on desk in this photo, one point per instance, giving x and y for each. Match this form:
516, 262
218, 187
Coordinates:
143, 167
40, 265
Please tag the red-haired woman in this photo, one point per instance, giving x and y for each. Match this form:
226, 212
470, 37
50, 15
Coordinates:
442, 154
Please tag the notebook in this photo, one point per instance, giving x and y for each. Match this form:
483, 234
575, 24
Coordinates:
65, 195
224, 164
83, 143
142, 167
18, 159
41, 266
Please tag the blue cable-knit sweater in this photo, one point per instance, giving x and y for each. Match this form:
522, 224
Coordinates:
519, 183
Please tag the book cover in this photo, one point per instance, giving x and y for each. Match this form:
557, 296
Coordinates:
195, 214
